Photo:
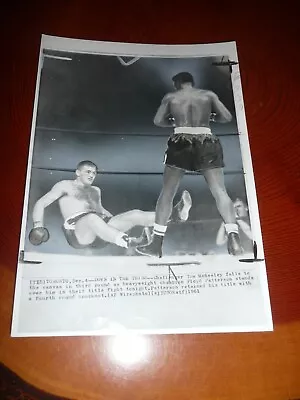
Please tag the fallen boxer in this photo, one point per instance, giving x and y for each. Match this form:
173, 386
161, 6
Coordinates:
85, 218
192, 147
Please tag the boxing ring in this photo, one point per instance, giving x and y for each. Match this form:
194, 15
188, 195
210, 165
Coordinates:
128, 182
82, 117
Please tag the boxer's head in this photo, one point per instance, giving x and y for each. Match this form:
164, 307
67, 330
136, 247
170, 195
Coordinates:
183, 78
86, 172
241, 210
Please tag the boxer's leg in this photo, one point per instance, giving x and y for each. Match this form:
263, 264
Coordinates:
215, 180
171, 181
91, 226
126, 221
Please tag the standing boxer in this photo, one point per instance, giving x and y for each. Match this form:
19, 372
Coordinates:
85, 218
192, 147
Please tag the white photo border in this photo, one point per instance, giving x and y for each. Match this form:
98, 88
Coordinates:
228, 49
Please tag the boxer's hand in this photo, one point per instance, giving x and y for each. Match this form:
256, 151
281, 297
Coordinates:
172, 121
213, 117
38, 236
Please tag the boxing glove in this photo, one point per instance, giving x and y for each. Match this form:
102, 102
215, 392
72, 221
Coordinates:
234, 246
38, 236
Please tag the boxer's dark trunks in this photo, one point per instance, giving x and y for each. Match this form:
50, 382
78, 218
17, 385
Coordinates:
194, 151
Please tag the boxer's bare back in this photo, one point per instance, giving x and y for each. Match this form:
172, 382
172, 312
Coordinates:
190, 107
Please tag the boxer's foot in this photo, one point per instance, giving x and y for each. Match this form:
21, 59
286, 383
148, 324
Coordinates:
142, 240
182, 209
153, 249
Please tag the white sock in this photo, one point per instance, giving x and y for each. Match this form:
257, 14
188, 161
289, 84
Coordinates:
122, 240
159, 230
231, 228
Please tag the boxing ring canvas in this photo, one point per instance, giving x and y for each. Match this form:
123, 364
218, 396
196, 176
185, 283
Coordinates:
96, 101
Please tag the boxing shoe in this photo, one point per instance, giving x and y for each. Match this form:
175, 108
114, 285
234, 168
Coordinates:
234, 244
143, 240
182, 209
132, 241
153, 249
38, 236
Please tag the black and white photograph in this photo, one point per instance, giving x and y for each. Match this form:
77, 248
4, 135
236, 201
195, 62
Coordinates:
117, 139
139, 175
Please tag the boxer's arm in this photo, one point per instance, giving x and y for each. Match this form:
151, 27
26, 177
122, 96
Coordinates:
221, 235
245, 228
101, 209
162, 116
54, 194
222, 114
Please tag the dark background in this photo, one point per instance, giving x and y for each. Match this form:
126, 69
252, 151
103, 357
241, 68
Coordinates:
92, 107
92, 92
